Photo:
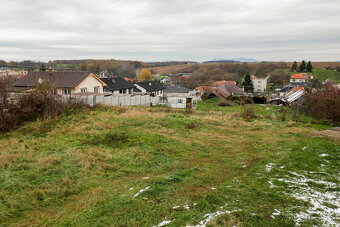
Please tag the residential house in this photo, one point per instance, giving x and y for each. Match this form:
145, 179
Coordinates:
207, 91
105, 74
176, 91
260, 84
299, 78
65, 83
118, 85
180, 97
166, 81
4, 71
153, 88
225, 91
222, 82
229, 90
289, 97
285, 90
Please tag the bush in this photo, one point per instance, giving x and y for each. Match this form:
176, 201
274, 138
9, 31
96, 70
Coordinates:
226, 103
242, 100
248, 113
41, 102
323, 104
260, 99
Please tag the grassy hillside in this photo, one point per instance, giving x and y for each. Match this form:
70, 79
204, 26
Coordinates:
152, 166
323, 74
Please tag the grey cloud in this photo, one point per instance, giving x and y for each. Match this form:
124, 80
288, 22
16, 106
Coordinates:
170, 30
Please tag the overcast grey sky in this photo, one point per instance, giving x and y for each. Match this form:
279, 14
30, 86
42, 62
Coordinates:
170, 29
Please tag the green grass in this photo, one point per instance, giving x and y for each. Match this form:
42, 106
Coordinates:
86, 169
323, 74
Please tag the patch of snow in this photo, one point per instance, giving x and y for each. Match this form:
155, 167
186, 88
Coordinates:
228, 186
281, 167
185, 207
141, 191
244, 166
276, 213
323, 155
299, 188
267, 108
165, 222
130, 189
271, 185
304, 148
145, 178
269, 166
213, 188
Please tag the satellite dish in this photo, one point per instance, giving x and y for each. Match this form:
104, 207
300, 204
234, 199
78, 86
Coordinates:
113, 81
40, 80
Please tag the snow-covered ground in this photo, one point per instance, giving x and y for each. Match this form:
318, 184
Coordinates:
324, 199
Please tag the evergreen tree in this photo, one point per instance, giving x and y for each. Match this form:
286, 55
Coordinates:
309, 67
42, 68
295, 66
248, 84
302, 66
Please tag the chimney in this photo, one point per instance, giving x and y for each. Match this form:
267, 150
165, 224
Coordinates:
50, 71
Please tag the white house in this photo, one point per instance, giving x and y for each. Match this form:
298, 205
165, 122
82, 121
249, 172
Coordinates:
300, 78
181, 102
260, 84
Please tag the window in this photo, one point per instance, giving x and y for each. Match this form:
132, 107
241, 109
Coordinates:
259, 85
120, 91
83, 89
180, 100
67, 91
96, 89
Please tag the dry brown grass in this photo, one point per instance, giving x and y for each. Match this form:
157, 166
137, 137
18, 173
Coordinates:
6, 160
46, 162
331, 134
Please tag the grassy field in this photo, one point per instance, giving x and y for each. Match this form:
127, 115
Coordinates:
323, 74
155, 166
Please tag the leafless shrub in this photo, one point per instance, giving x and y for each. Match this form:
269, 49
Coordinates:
248, 112
41, 102
323, 104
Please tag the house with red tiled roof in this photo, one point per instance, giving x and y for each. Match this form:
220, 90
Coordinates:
298, 78
222, 82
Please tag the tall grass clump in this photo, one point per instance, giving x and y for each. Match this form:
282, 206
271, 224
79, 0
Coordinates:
248, 112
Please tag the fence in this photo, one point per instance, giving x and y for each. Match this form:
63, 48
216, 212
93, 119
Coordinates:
120, 100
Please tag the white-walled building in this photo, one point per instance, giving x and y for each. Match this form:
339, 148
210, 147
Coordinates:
260, 84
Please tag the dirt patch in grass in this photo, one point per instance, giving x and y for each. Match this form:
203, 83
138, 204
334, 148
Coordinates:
331, 134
